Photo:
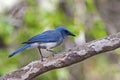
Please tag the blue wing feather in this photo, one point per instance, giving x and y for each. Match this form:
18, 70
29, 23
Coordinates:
47, 36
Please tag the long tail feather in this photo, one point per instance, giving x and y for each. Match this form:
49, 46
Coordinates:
19, 50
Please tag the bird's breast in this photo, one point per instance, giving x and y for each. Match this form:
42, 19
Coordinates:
48, 45
45, 45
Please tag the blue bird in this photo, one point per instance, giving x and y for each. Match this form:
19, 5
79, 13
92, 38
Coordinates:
46, 40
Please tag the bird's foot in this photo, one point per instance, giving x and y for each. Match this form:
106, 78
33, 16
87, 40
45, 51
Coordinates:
54, 54
43, 58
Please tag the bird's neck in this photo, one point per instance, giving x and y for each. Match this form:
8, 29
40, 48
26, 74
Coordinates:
64, 35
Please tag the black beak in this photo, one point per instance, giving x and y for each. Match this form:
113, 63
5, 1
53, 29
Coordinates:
71, 34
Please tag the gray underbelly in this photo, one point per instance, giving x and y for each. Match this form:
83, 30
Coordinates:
45, 45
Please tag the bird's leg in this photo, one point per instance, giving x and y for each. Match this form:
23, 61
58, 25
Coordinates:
40, 53
51, 51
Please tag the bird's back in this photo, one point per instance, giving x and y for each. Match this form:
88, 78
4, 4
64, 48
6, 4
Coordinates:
46, 37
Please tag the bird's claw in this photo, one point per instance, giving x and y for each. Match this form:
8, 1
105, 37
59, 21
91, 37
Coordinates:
43, 58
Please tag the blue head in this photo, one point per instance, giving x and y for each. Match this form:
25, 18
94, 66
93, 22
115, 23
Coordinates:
65, 32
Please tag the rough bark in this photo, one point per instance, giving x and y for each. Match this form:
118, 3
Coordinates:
64, 59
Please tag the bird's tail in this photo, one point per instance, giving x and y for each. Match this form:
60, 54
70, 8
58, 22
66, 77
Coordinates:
19, 50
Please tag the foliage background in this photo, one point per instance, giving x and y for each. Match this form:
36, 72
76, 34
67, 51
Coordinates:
23, 19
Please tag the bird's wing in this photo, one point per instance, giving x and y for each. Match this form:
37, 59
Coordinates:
47, 36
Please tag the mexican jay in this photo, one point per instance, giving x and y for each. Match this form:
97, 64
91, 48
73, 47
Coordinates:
46, 40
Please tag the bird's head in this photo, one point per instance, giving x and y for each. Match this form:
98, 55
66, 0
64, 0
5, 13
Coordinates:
65, 32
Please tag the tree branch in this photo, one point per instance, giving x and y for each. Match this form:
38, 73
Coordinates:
64, 59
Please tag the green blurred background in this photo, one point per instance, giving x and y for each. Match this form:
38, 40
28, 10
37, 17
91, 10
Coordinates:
88, 19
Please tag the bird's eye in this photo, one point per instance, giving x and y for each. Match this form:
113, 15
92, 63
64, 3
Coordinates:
67, 32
